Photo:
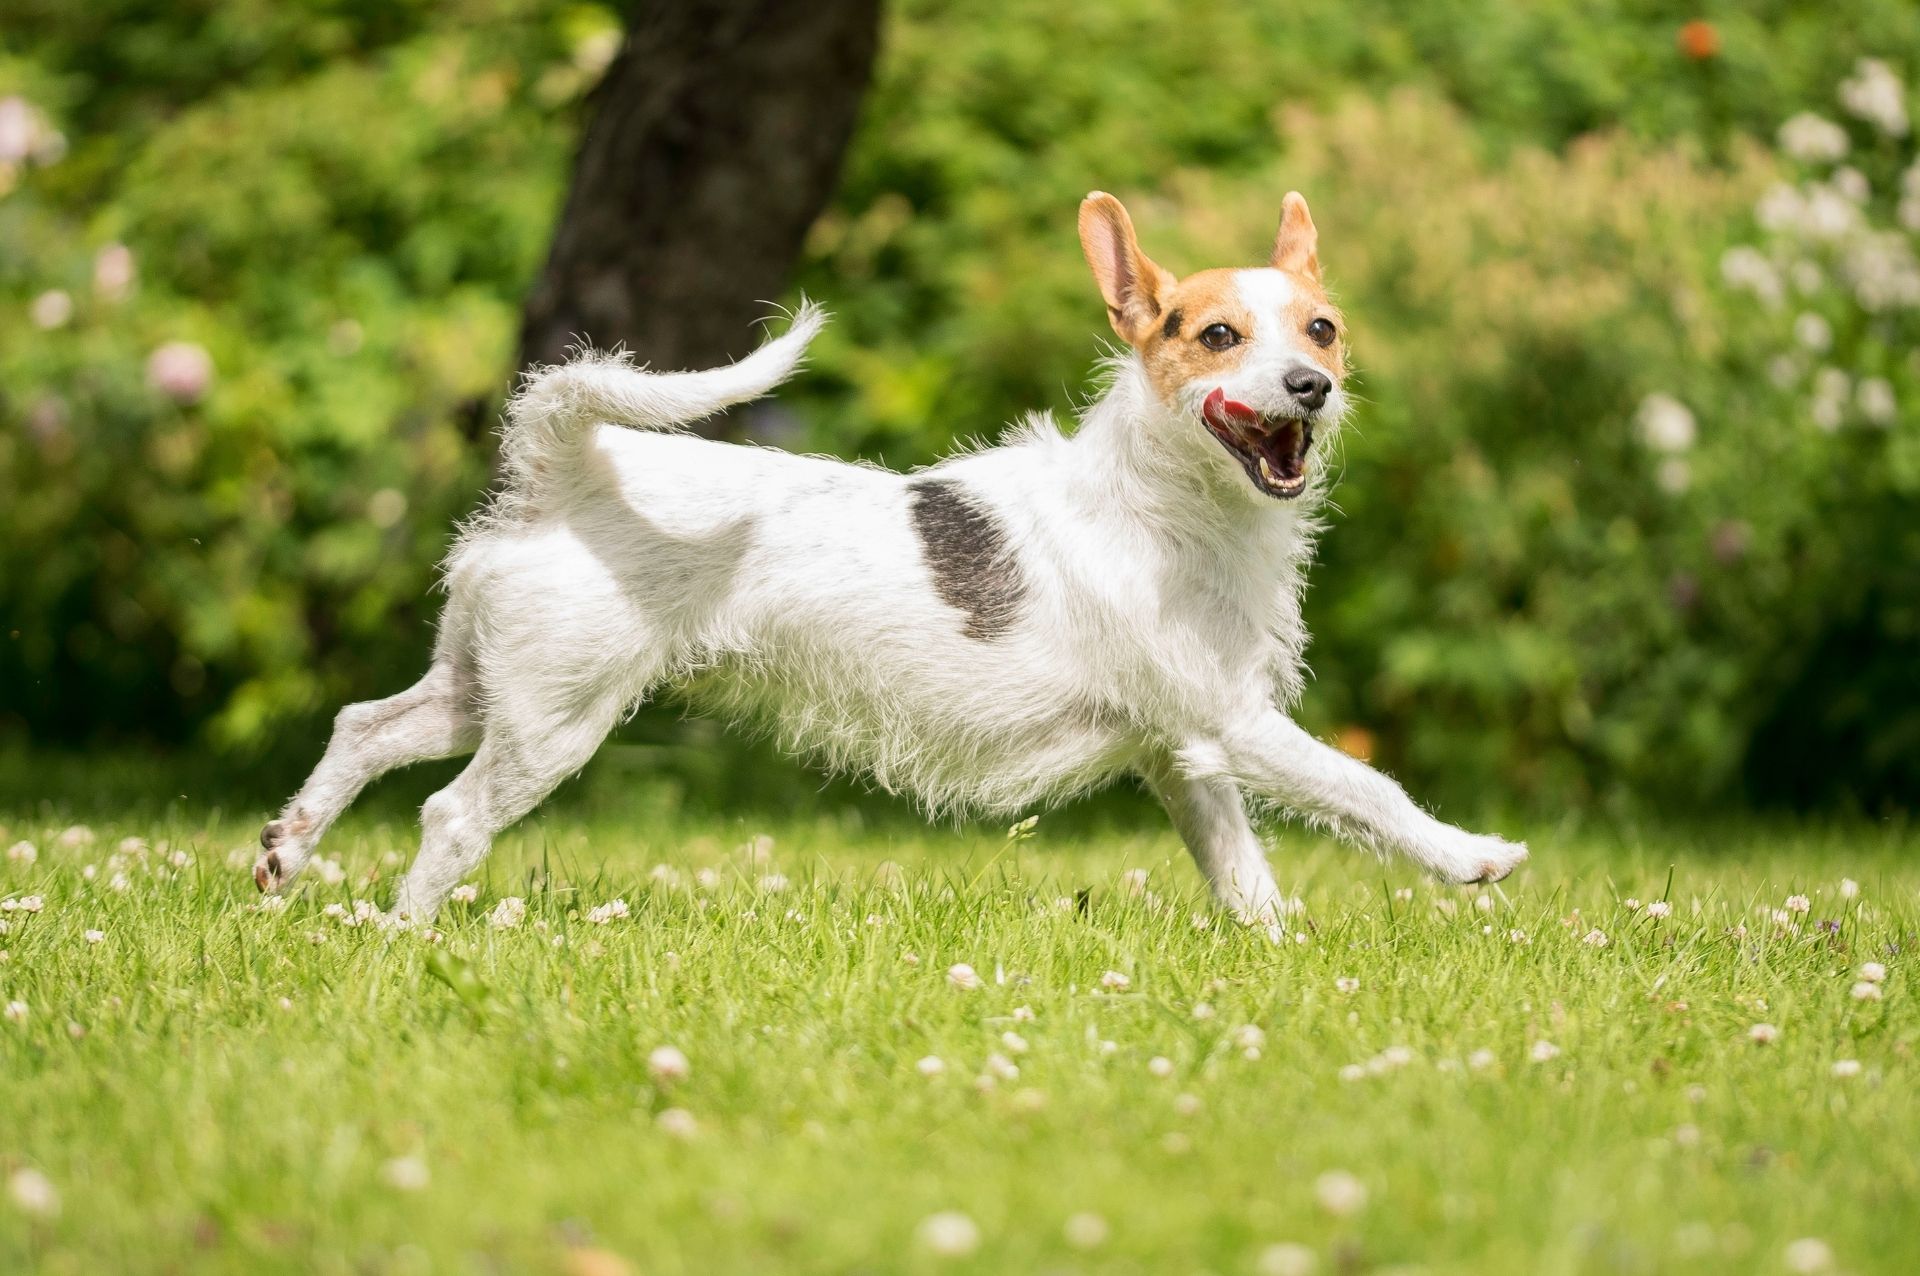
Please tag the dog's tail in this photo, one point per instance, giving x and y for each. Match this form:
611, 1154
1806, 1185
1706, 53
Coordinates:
556, 406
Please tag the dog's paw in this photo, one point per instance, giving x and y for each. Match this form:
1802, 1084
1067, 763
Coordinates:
1480, 859
281, 855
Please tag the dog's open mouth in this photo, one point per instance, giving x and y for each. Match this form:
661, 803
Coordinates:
1273, 449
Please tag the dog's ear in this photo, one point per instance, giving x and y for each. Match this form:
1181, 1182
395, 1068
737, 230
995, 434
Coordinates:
1297, 246
1132, 286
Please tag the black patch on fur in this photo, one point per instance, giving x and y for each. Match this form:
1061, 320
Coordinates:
1171, 328
972, 564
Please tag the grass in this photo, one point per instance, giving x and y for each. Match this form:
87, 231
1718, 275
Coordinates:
211, 1087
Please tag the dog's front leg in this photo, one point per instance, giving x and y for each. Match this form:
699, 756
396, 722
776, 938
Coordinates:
1271, 755
1211, 818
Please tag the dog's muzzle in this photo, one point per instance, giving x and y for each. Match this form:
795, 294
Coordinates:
1272, 449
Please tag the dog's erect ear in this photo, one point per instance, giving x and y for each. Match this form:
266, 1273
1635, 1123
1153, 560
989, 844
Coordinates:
1132, 286
1297, 246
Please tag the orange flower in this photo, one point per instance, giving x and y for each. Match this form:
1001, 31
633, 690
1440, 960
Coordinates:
1699, 40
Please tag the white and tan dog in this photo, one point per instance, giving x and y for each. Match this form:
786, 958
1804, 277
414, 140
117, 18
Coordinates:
1007, 627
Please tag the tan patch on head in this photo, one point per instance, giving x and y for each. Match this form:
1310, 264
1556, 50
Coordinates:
1173, 352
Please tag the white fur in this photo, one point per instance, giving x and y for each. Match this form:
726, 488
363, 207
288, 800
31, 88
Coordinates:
1159, 633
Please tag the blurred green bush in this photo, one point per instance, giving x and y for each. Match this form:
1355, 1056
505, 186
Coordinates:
260, 267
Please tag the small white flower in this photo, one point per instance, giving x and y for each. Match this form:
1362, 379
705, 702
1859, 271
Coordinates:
1023, 1014
949, 1234
1249, 1037
1747, 268
1085, 1230
1160, 1066
1687, 1136
23, 853
406, 1174
1202, 1010
1844, 1068
963, 976
667, 1065
1347, 984
1286, 1259
1000, 1068
1014, 1042
1666, 424
610, 911
1134, 881
1812, 139
931, 1066
1353, 1072
1482, 1059
1340, 1193
465, 893
329, 870
1808, 1255
1543, 1051
1763, 1034
34, 1192
1874, 93
1114, 981
1187, 1105
1813, 332
94, 936
1595, 938
773, 883
508, 913
181, 370
1659, 908
1873, 972
1403, 895
1517, 936
1875, 399
1864, 991
677, 1123
1798, 903
1849, 889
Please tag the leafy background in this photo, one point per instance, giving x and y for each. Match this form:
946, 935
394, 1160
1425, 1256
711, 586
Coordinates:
1616, 529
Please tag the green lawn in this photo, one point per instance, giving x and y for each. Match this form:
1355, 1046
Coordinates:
213, 1087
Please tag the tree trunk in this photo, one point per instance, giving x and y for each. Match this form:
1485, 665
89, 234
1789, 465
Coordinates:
715, 141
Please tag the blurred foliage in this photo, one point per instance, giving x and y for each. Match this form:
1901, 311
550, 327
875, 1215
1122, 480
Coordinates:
260, 266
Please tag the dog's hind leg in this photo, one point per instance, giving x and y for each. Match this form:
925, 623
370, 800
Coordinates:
434, 718
513, 770
1211, 818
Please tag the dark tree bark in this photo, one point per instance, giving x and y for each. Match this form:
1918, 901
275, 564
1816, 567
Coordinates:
714, 142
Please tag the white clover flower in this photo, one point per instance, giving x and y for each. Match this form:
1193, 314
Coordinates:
1873, 972
612, 910
465, 893
948, 1234
1659, 908
1865, 991
931, 1066
677, 1123
1014, 1042
1403, 895
1798, 904
963, 976
1674, 476
1543, 1051
1881, 269
1851, 183
406, 1174
999, 1068
271, 904
668, 1065
1285, 1259
1353, 1072
1160, 1066
1340, 1193
113, 272
773, 883
1482, 1059
30, 903
665, 876
1595, 938
76, 837
1085, 1230
16, 1012
1844, 1068
1346, 984
1249, 1037
1813, 332
1023, 1014
94, 936
33, 1192
1763, 1034
1114, 981
1874, 93
1849, 889
1812, 139
1808, 1255
1517, 936
331, 874
51, 309
508, 913
1187, 1105
708, 879
23, 853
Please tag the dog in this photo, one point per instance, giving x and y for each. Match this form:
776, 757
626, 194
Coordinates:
1010, 626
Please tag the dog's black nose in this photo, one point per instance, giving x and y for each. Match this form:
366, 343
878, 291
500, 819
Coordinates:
1308, 386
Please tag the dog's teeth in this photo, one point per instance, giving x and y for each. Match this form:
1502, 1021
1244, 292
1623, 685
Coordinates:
1266, 471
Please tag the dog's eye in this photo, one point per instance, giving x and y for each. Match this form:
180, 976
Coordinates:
1322, 331
1217, 336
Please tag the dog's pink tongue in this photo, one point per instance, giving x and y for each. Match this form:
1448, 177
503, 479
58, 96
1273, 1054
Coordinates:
1222, 412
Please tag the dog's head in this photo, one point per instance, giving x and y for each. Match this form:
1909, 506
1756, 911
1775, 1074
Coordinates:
1257, 356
